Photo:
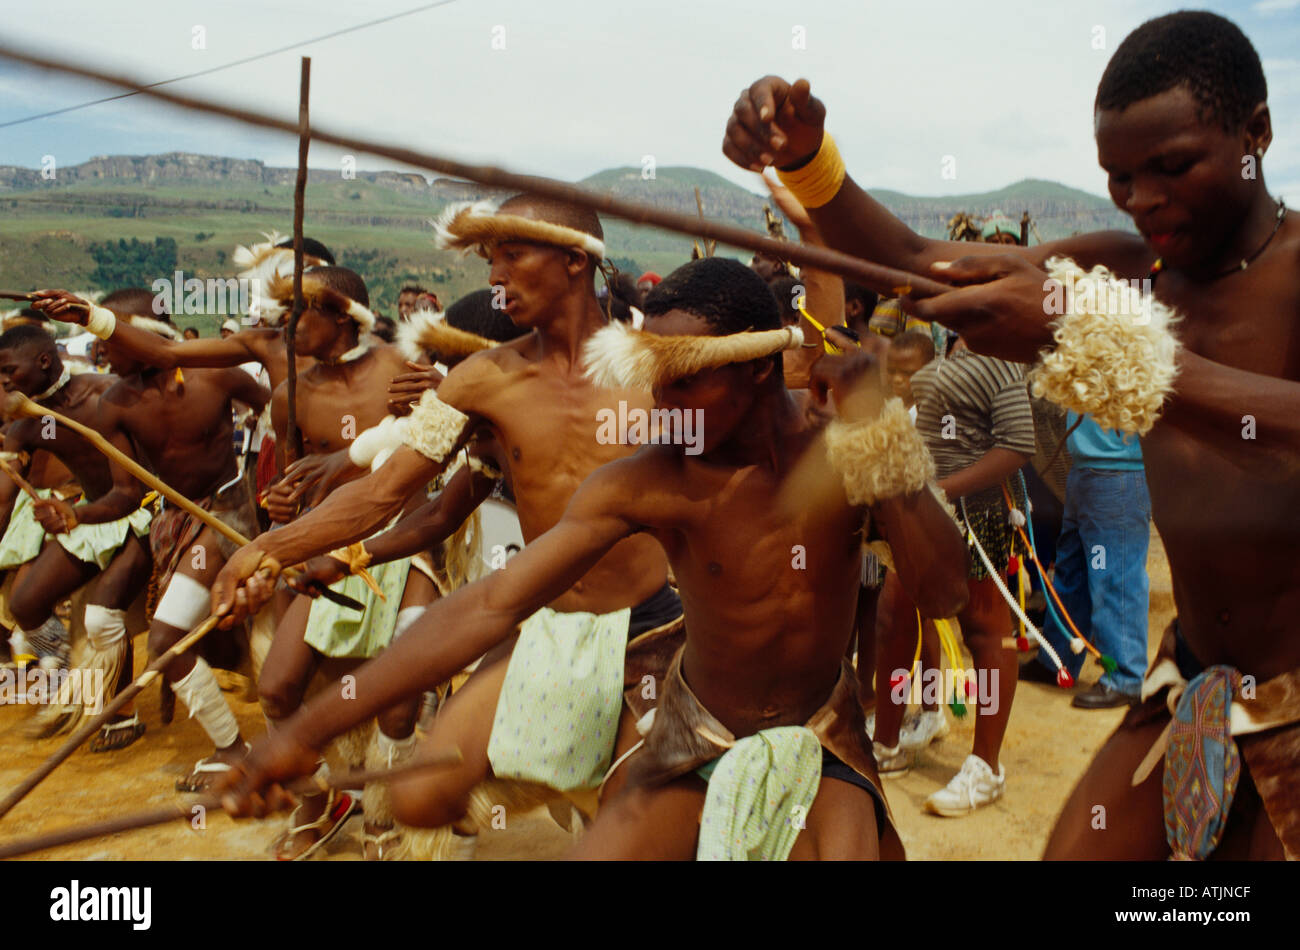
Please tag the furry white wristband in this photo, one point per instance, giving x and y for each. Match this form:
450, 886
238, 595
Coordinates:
1115, 356
434, 427
879, 458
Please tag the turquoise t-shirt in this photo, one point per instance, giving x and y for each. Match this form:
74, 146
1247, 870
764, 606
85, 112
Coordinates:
1091, 446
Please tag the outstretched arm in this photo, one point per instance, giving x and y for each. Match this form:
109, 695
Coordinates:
782, 124
452, 633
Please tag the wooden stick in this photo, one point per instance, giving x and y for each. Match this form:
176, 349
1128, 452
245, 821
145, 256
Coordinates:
88, 728
886, 280
16, 404
21, 482
16, 295
293, 438
209, 802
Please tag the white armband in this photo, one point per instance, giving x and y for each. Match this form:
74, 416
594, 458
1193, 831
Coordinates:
101, 321
434, 427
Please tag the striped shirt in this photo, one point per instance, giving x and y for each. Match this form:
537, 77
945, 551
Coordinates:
968, 404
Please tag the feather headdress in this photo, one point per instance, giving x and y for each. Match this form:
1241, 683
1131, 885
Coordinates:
620, 357
478, 226
315, 293
429, 330
260, 264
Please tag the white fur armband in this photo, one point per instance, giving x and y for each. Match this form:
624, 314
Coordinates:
101, 321
881, 458
1115, 355
434, 427
372, 447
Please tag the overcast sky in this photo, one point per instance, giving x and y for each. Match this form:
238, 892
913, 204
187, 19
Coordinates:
1004, 87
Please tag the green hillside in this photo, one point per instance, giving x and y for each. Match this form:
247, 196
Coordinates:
53, 232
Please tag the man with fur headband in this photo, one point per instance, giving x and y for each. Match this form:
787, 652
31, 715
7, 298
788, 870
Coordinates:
180, 424
264, 343
343, 393
545, 416
65, 560
1182, 125
764, 753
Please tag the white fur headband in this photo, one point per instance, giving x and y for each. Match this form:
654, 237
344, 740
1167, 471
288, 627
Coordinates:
477, 226
621, 357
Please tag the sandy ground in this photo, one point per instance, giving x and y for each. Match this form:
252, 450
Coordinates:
1048, 745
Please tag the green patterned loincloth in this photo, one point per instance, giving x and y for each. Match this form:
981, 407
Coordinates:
24, 537
98, 543
93, 543
341, 631
557, 717
760, 793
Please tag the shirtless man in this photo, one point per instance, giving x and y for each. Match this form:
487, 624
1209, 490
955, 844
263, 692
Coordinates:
544, 415
766, 633
115, 550
180, 428
251, 344
343, 393
1182, 125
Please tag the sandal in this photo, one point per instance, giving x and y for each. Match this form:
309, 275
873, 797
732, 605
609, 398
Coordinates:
193, 782
117, 735
338, 809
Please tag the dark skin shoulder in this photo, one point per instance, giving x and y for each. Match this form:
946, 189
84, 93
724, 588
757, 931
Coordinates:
183, 430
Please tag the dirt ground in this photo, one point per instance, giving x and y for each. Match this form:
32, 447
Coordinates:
1048, 745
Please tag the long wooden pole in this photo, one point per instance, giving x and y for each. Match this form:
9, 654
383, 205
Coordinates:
185, 811
293, 450
88, 728
885, 280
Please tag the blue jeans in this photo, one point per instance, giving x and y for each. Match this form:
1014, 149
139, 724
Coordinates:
1101, 574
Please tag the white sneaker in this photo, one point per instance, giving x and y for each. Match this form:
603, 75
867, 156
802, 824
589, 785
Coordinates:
920, 732
891, 762
975, 785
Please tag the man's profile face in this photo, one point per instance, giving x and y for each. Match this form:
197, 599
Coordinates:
21, 370
530, 278
1179, 177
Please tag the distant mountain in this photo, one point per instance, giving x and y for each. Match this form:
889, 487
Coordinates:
378, 222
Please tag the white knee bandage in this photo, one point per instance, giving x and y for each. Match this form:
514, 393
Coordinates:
184, 603
105, 627
405, 617
202, 697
